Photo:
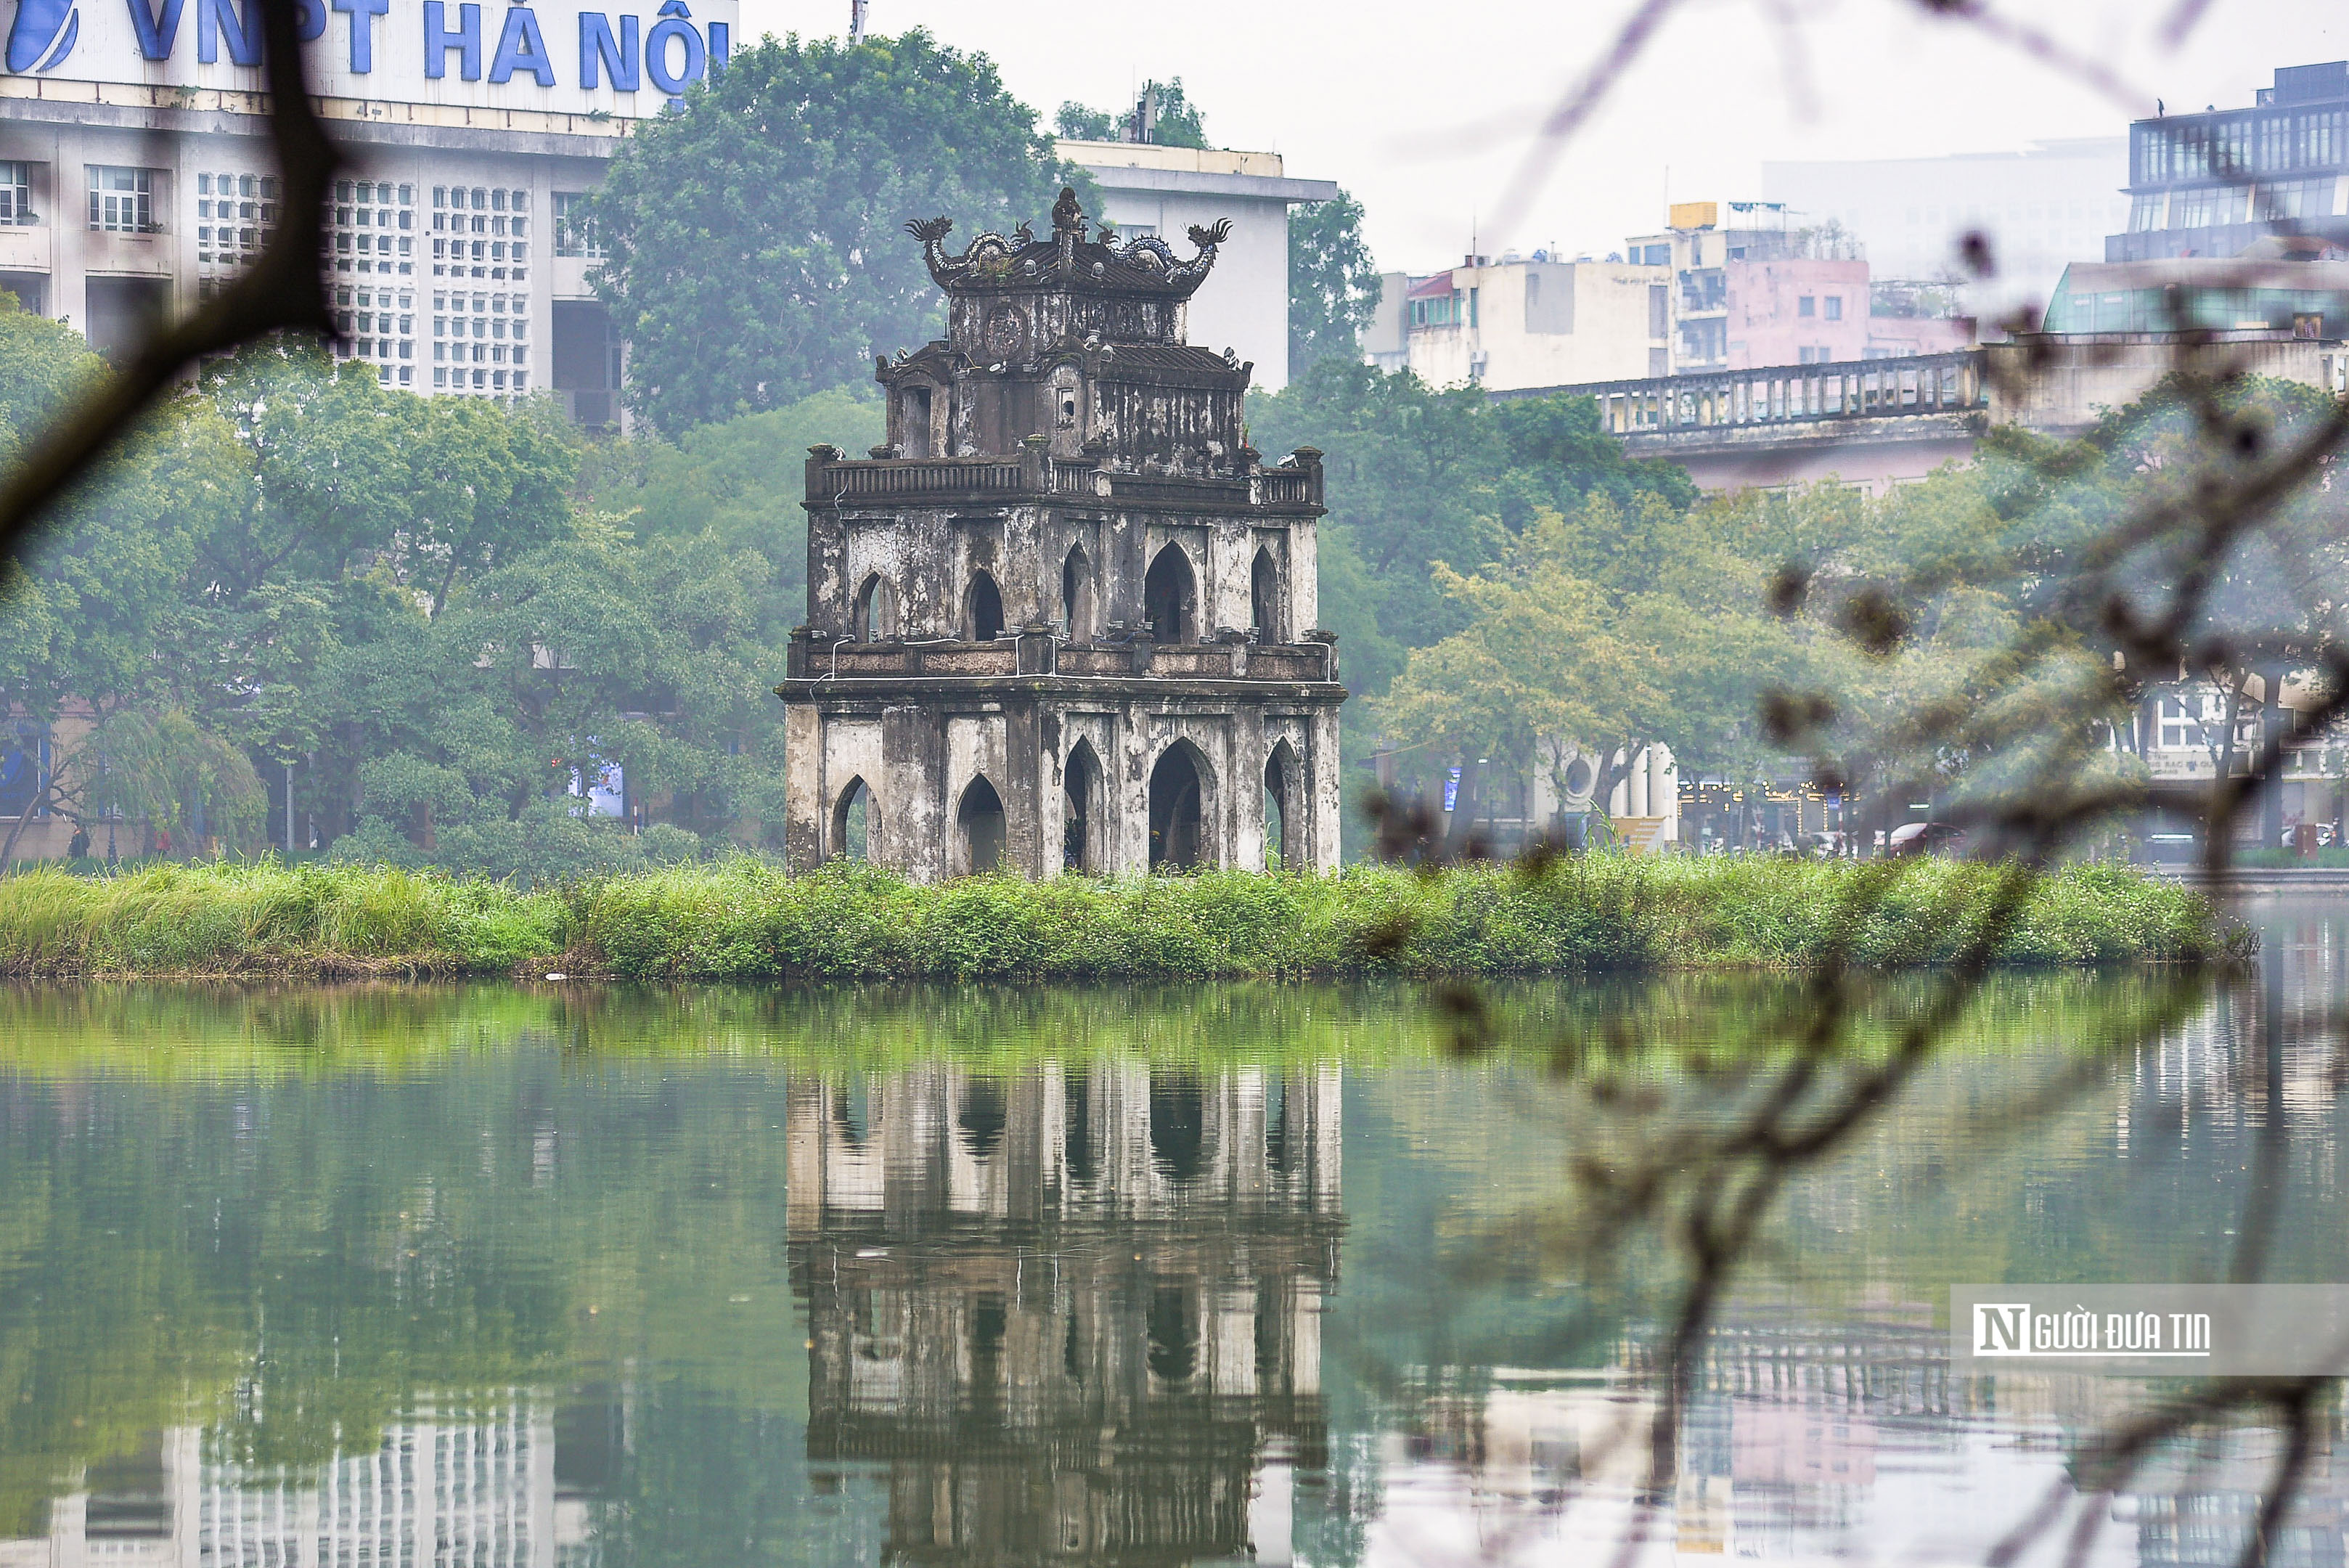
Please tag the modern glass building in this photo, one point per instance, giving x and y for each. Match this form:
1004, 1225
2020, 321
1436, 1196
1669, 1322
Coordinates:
2216, 182
2248, 294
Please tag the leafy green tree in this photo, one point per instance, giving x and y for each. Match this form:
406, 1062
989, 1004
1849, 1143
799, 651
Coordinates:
1175, 121
1334, 285
1417, 475
83, 619
753, 238
741, 481
1576, 645
1075, 122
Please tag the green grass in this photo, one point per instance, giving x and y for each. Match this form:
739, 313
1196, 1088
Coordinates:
744, 921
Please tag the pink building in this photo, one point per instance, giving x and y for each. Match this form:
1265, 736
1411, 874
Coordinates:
1795, 310
1750, 289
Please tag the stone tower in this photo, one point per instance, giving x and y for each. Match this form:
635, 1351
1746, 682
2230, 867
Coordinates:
1064, 618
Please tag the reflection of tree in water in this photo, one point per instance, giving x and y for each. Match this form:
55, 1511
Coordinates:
1076, 1315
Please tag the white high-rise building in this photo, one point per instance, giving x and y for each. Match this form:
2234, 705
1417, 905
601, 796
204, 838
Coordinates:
2042, 209
136, 172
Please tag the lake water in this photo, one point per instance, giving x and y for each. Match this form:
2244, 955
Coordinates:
414, 1276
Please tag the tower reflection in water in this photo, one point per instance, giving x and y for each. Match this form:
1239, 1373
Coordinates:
1076, 1315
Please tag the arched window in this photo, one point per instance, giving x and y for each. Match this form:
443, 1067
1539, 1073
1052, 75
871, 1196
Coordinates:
985, 608
875, 615
980, 818
1170, 596
852, 823
1077, 596
1280, 853
1081, 793
1265, 603
983, 1117
1174, 810
1178, 1124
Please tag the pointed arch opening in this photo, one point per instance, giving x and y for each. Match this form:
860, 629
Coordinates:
1178, 1124
979, 818
1280, 848
1266, 601
984, 1116
1177, 809
852, 823
1077, 594
1170, 597
983, 607
874, 618
1081, 793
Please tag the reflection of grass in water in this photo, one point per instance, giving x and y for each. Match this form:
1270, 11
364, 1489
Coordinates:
1662, 1023
743, 920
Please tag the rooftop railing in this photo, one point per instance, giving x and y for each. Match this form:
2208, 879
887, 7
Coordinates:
1926, 384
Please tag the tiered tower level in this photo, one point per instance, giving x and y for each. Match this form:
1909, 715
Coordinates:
1064, 618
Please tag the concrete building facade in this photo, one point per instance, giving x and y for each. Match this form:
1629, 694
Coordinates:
1520, 322
1064, 618
135, 175
1151, 192
1707, 294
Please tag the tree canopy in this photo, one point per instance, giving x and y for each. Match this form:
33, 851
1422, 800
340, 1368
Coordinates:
444, 616
1175, 121
754, 242
1416, 475
1334, 285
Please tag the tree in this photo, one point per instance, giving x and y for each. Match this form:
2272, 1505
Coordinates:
1075, 122
740, 480
1334, 285
1417, 475
754, 252
83, 619
1577, 644
1173, 119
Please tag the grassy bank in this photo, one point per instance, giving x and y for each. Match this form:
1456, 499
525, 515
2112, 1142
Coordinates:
744, 921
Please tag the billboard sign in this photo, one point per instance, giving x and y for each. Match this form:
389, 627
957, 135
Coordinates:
624, 57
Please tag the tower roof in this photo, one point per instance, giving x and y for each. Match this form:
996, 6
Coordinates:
1142, 267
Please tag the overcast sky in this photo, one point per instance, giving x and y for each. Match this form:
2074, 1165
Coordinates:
1424, 111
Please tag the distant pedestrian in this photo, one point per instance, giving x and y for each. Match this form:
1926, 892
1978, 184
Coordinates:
78, 849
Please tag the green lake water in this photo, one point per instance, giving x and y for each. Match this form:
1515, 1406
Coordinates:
411, 1276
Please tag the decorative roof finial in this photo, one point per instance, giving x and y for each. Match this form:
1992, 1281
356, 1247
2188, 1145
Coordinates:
1067, 218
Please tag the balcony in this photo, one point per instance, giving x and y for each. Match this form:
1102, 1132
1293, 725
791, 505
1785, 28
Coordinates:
1043, 653
834, 480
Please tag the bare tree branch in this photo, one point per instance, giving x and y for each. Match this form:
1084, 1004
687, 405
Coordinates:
281, 289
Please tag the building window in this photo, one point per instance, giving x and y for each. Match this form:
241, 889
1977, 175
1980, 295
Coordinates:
15, 193
1807, 307
574, 231
1834, 307
121, 200
2180, 726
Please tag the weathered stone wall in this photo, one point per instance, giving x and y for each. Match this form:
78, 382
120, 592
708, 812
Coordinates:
919, 753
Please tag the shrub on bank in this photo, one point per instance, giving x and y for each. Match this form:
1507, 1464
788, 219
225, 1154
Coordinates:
745, 919
266, 918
